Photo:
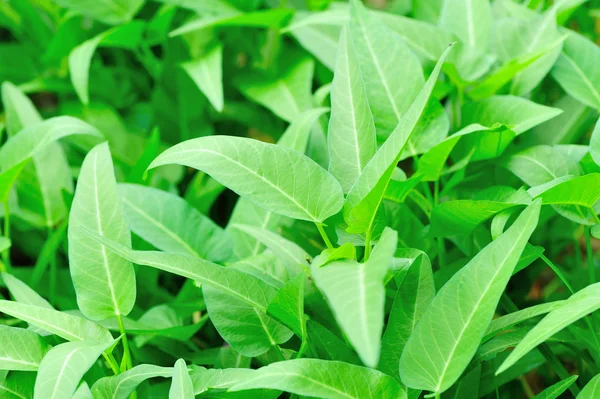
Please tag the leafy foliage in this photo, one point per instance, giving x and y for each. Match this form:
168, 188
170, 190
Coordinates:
299, 199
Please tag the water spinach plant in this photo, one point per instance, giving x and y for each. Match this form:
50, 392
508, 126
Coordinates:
301, 199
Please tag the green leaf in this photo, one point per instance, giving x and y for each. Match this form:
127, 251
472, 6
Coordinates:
516, 113
591, 389
83, 392
18, 385
451, 328
21, 349
22, 293
577, 306
554, 391
289, 252
171, 224
181, 387
582, 191
64, 366
390, 71
576, 72
414, 294
351, 134
288, 94
461, 217
252, 169
274, 18
80, 59
50, 173
244, 326
469, 21
206, 379
363, 200
35, 137
541, 164
111, 12
8, 178
5, 244
287, 305
242, 286
71, 328
323, 379
511, 319
121, 385
19, 110
103, 281
206, 71
356, 294
595, 144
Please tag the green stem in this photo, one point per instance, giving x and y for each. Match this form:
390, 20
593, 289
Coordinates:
6, 253
590, 255
324, 235
126, 352
111, 364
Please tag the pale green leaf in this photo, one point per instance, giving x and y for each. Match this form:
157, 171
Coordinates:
273, 18
253, 169
289, 252
391, 72
103, 281
64, 366
19, 110
446, 338
171, 224
206, 71
21, 349
121, 385
511, 319
469, 21
80, 58
242, 286
83, 392
71, 328
351, 135
244, 326
181, 386
35, 137
110, 12
288, 94
414, 294
516, 113
541, 164
22, 293
577, 306
323, 379
356, 294
367, 193
595, 144
576, 69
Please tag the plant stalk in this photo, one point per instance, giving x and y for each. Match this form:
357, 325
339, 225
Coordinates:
126, 352
324, 235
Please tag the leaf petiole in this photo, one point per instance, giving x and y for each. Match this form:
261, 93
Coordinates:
324, 235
